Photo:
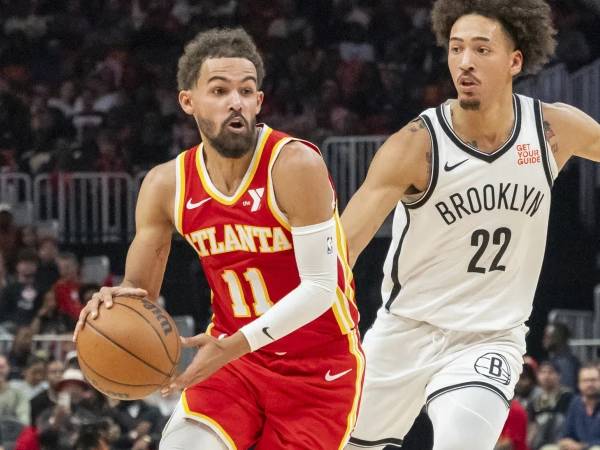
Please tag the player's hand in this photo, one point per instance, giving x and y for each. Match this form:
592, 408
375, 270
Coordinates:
211, 356
104, 295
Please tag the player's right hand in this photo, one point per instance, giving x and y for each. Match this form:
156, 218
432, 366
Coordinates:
104, 295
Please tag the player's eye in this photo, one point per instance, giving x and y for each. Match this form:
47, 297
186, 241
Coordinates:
218, 91
455, 49
483, 50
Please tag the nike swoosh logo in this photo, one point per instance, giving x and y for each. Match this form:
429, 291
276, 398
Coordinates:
330, 377
448, 168
265, 330
192, 205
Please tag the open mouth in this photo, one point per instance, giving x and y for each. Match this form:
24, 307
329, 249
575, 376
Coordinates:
236, 124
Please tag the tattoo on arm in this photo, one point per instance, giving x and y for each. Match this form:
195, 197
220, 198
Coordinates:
549, 133
416, 125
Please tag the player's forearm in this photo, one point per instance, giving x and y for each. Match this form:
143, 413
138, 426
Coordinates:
316, 258
145, 266
360, 222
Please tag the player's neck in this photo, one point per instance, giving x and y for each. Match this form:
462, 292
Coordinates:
226, 173
486, 128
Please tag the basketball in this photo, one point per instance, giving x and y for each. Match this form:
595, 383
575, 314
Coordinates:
129, 351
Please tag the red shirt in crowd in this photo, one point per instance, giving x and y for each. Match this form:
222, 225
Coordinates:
67, 297
515, 427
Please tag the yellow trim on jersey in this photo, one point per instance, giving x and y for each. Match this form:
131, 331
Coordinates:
360, 368
248, 177
343, 258
179, 192
209, 422
271, 200
343, 315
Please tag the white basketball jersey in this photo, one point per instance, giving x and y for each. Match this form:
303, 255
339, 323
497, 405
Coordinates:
467, 254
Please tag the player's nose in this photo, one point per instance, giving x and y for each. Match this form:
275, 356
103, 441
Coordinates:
466, 62
235, 101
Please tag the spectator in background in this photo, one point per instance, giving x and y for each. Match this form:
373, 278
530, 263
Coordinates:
8, 235
514, 433
13, 402
109, 157
66, 289
548, 407
582, 426
28, 237
526, 387
48, 397
62, 421
4, 278
47, 272
556, 343
65, 101
91, 439
20, 351
18, 300
137, 420
34, 377
49, 320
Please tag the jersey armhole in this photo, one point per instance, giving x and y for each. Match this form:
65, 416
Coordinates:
179, 192
424, 196
548, 161
271, 200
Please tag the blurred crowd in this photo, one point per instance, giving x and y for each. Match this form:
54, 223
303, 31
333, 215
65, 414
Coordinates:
90, 85
557, 401
45, 402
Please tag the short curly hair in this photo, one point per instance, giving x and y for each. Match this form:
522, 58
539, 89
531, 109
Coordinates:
217, 43
527, 22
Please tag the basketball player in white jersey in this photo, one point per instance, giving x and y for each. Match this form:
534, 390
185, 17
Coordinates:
471, 182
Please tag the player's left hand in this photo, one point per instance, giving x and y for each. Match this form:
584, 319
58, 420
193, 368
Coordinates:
211, 356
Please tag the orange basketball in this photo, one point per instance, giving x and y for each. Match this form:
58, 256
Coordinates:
129, 351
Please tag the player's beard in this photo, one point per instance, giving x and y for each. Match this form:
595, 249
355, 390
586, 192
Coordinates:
226, 143
470, 105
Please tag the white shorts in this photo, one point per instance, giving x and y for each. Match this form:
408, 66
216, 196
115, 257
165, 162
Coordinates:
410, 363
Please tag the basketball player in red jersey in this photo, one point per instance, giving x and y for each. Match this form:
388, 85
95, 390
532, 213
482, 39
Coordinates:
280, 366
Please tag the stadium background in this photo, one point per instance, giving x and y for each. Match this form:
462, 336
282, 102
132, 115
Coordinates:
88, 86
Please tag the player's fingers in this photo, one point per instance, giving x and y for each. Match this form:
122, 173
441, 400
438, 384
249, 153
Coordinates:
179, 382
93, 305
78, 328
129, 292
196, 341
106, 296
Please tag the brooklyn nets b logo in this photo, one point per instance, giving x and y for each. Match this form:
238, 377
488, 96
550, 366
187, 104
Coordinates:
493, 366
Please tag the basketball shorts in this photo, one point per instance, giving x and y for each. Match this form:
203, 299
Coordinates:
411, 363
276, 402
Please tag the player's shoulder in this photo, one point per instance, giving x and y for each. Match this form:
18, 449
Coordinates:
297, 155
558, 111
161, 179
410, 142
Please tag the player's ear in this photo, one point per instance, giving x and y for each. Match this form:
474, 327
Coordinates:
259, 99
516, 62
185, 101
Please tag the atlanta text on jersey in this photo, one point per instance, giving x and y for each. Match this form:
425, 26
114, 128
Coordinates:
245, 238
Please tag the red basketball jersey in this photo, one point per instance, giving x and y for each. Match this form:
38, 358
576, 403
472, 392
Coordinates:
245, 246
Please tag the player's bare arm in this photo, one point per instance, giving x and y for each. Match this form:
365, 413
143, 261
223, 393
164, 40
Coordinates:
401, 166
569, 131
303, 193
149, 251
302, 185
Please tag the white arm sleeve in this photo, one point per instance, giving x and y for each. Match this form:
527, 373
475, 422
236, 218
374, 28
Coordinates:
316, 257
